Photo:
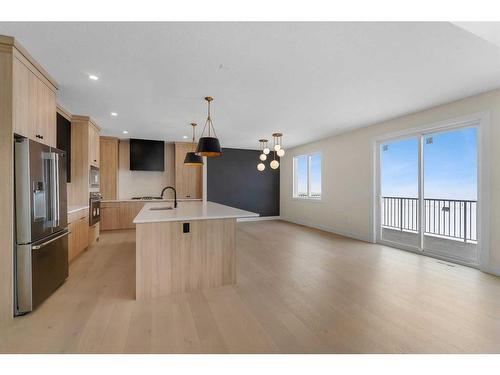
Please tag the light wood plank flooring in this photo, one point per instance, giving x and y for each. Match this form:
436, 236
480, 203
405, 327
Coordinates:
299, 290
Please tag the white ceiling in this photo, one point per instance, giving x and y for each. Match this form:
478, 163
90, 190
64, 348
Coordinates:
308, 80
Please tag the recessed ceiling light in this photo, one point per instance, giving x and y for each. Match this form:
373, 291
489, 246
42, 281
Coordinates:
185, 137
125, 132
114, 114
93, 77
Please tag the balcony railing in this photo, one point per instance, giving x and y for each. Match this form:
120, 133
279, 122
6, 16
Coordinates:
449, 218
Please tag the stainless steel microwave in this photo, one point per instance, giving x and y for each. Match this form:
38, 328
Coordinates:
94, 177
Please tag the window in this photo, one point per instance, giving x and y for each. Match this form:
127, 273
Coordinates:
307, 176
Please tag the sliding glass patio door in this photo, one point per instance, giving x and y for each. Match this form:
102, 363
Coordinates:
450, 194
427, 193
399, 192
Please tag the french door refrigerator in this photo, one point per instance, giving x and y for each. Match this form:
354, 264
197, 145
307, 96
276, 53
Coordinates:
41, 249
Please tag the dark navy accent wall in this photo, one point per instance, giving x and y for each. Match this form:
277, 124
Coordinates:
233, 180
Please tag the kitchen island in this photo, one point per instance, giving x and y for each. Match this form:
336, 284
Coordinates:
187, 248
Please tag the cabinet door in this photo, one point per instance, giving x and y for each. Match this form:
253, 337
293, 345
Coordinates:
188, 180
128, 212
92, 159
24, 105
72, 240
20, 100
96, 146
110, 217
93, 146
109, 167
33, 107
46, 114
83, 230
93, 233
78, 237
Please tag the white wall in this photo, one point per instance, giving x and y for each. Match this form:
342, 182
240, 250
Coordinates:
143, 183
345, 207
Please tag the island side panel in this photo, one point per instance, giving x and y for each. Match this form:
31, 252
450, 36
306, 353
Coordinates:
169, 261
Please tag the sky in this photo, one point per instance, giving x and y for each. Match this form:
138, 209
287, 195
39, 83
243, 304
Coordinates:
450, 166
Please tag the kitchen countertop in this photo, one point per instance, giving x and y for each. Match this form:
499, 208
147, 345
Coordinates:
187, 211
151, 200
72, 209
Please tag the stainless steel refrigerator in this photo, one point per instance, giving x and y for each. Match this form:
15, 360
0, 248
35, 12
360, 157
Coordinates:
41, 249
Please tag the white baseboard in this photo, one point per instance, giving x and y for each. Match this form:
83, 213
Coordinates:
490, 269
327, 228
260, 218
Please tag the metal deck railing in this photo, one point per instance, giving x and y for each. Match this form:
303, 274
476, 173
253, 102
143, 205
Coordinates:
442, 217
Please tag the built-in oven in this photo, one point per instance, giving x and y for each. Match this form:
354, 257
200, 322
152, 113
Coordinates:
93, 177
94, 208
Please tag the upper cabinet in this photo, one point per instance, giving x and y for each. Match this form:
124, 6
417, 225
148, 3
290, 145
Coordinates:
93, 145
188, 179
84, 153
33, 102
46, 124
109, 167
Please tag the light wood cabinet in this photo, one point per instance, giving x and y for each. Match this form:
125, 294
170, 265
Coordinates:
128, 212
24, 101
170, 261
93, 145
46, 115
110, 216
93, 236
119, 215
34, 105
188, 180
84, 141
109, 167
78, 238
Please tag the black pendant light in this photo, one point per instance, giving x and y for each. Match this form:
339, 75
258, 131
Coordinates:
191, 159
209, 145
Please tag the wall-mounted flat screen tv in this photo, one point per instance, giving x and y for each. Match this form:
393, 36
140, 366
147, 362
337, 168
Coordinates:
147, 155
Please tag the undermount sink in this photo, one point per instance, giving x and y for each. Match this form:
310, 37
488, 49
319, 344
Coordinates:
160, 208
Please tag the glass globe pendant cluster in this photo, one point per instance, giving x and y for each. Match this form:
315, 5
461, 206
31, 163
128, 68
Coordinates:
263, 156
277, 150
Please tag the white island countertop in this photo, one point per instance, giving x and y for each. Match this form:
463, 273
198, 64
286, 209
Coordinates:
150, 200
187, 211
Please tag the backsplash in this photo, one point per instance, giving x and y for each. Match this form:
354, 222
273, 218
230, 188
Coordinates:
143, 183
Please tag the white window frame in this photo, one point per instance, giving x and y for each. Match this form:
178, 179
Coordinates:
294, 190
480, 120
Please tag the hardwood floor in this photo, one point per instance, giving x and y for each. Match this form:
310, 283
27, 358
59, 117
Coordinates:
299, 290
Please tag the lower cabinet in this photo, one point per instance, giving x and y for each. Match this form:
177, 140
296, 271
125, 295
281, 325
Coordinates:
110, 216
119, 215
78, 238
93, 234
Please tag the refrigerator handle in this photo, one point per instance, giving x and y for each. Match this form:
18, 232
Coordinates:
55, 189
37, 247
58, 211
